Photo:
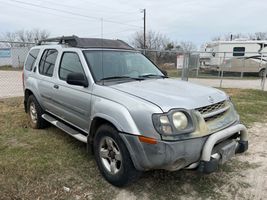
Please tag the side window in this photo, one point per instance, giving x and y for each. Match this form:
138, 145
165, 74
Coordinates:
47, 62
239, 51
31, 59
70, 62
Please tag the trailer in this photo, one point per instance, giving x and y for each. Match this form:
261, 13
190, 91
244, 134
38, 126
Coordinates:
235, 56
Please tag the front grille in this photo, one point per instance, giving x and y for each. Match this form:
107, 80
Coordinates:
207, 119
211, 108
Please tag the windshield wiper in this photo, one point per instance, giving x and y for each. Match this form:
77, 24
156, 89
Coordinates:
121, 77
152, 75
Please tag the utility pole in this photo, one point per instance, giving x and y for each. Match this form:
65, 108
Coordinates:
144, 11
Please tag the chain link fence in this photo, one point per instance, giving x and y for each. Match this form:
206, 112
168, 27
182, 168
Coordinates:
12, 57
216, 69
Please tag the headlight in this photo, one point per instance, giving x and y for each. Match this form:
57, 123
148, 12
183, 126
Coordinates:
179, 120
174, 122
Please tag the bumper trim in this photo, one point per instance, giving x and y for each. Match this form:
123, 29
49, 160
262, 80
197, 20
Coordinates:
214, 138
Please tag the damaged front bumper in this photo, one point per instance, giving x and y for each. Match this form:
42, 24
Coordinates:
220, 147
204, 153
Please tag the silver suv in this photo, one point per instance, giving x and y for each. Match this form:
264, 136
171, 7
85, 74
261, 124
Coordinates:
128, 112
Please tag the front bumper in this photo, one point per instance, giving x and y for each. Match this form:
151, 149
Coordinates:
191, 153
216, 147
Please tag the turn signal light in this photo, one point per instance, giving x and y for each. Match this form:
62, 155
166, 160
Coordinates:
147, 140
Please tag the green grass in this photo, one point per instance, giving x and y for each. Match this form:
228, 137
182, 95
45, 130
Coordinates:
9, 68
37, 164
250, 104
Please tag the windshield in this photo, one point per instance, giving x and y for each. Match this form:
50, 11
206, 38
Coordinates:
118, 65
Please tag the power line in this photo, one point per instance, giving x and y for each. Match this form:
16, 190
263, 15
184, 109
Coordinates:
114, 15
75, 7
109, 8
71, 13
51, 13
95, 35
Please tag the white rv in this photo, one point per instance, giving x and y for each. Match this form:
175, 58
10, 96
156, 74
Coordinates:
236, 56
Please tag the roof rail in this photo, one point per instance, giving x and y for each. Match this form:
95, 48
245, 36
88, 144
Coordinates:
75, 41
61, 40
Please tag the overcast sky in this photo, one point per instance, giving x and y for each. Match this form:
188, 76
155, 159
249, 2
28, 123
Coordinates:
191, 20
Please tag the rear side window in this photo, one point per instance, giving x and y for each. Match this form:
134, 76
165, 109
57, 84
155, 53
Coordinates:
70, 62
31, 59
47, 62
239, 51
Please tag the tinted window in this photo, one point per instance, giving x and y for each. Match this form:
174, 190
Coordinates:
70, 62
47, 62
31, 59
239, 51
104, 64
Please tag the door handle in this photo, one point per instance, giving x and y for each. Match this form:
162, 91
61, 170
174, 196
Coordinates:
56, 86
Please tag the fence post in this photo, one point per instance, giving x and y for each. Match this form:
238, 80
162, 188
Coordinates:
264, 78
242, 71
185, 67
222, 69
18, 62
198, 65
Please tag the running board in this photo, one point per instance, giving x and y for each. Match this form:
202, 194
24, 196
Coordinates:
65, 128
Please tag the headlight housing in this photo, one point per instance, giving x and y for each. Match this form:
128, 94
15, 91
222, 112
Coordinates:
178, 121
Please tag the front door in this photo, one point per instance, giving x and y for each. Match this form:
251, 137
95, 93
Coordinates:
73, 102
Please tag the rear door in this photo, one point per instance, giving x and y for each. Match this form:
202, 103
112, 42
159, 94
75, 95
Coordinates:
72, 102
30, 65
46, 77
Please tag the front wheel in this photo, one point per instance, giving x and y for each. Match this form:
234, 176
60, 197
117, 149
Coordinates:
113, 158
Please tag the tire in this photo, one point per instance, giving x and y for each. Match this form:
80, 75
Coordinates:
113, 150
35, 112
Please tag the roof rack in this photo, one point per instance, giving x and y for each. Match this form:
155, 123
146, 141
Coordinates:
75, 41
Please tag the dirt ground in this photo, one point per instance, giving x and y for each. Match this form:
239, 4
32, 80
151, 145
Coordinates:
256, 178
39, 164
248, 183
229, 83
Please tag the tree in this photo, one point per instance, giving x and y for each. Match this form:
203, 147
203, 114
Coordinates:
187, 46
258, 36
155, 43
24, 36
154, 40
250, 36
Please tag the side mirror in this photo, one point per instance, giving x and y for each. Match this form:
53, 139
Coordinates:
164, 72
77, 79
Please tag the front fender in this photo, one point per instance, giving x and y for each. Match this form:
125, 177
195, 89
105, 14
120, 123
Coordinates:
115, 113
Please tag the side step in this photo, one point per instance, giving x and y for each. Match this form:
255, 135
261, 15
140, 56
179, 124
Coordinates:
65, 128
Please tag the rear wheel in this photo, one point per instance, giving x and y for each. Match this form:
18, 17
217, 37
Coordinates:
35, 112
113, 158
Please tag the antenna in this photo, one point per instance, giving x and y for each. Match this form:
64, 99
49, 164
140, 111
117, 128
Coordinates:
102, 53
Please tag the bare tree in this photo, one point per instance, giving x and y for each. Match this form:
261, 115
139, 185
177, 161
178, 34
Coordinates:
25, 36
250, 36
154, 40
216, 38
258, 36
187, 46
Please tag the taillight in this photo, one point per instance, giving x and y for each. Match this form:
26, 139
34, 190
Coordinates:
23, 84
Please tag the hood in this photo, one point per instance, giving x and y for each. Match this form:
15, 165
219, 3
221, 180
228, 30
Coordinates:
172, 93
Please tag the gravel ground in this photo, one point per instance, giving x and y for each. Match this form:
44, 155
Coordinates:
10, 84
228, 83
